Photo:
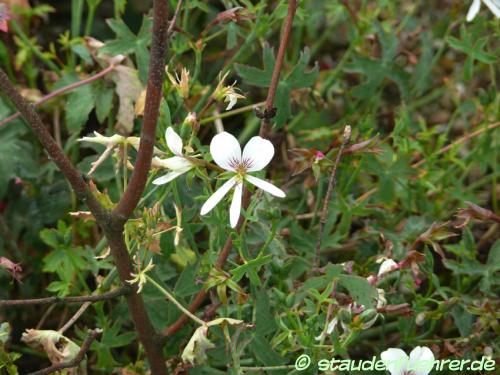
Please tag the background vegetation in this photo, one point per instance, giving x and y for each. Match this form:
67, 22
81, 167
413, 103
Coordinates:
417, 84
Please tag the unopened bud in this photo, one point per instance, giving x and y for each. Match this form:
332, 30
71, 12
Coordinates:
347, 132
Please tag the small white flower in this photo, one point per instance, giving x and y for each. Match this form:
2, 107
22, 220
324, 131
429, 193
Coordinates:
226, 152
111, 143
329, 329
493, 5
420, 362
387, 266
227, 93
178, 164
139, 278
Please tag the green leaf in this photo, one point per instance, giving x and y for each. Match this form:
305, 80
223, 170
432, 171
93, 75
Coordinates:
78, 106
359, 288
254, 264
103, 103
127, 42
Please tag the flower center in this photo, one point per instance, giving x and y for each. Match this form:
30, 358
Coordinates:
241, 166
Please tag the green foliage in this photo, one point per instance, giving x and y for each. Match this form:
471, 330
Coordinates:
417, 84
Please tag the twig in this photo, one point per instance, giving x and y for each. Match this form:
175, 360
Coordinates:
269, 110
459, 141
62, 90
441, 151
124, 290
75, 317
231, 113
93, 334
332, 182
171, 26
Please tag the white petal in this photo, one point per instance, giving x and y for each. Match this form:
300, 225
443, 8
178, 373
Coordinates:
217, 196
421, 360
332, 325
174, 141
167, 178
473, 10
259, 151
266, 186
175, 163
395, 360
494, 6
387, 266
225, 150
232, 101
235, 209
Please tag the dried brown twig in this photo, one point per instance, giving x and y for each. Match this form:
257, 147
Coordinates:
124, 290
332, 182
93, 334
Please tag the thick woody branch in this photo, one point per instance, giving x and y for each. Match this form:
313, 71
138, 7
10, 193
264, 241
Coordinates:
124, 290
154, 94
94, 334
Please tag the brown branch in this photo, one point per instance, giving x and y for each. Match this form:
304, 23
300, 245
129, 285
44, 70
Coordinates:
269, 110
60, 91
113, 223
122, 291
332, 182
154, 94
93, 334
266, 116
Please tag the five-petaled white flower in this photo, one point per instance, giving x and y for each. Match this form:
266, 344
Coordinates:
178, 164
226, 152
493, 5
397, 362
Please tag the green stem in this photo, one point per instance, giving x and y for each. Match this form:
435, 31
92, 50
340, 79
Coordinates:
172, 299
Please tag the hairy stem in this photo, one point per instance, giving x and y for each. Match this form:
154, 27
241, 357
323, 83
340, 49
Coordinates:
332, 182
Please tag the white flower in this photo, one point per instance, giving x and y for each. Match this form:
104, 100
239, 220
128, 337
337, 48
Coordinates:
111, 143
178, 164
494, 6
140, 278
329, 329
226, 152
387, 266
227, 93
420, 362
